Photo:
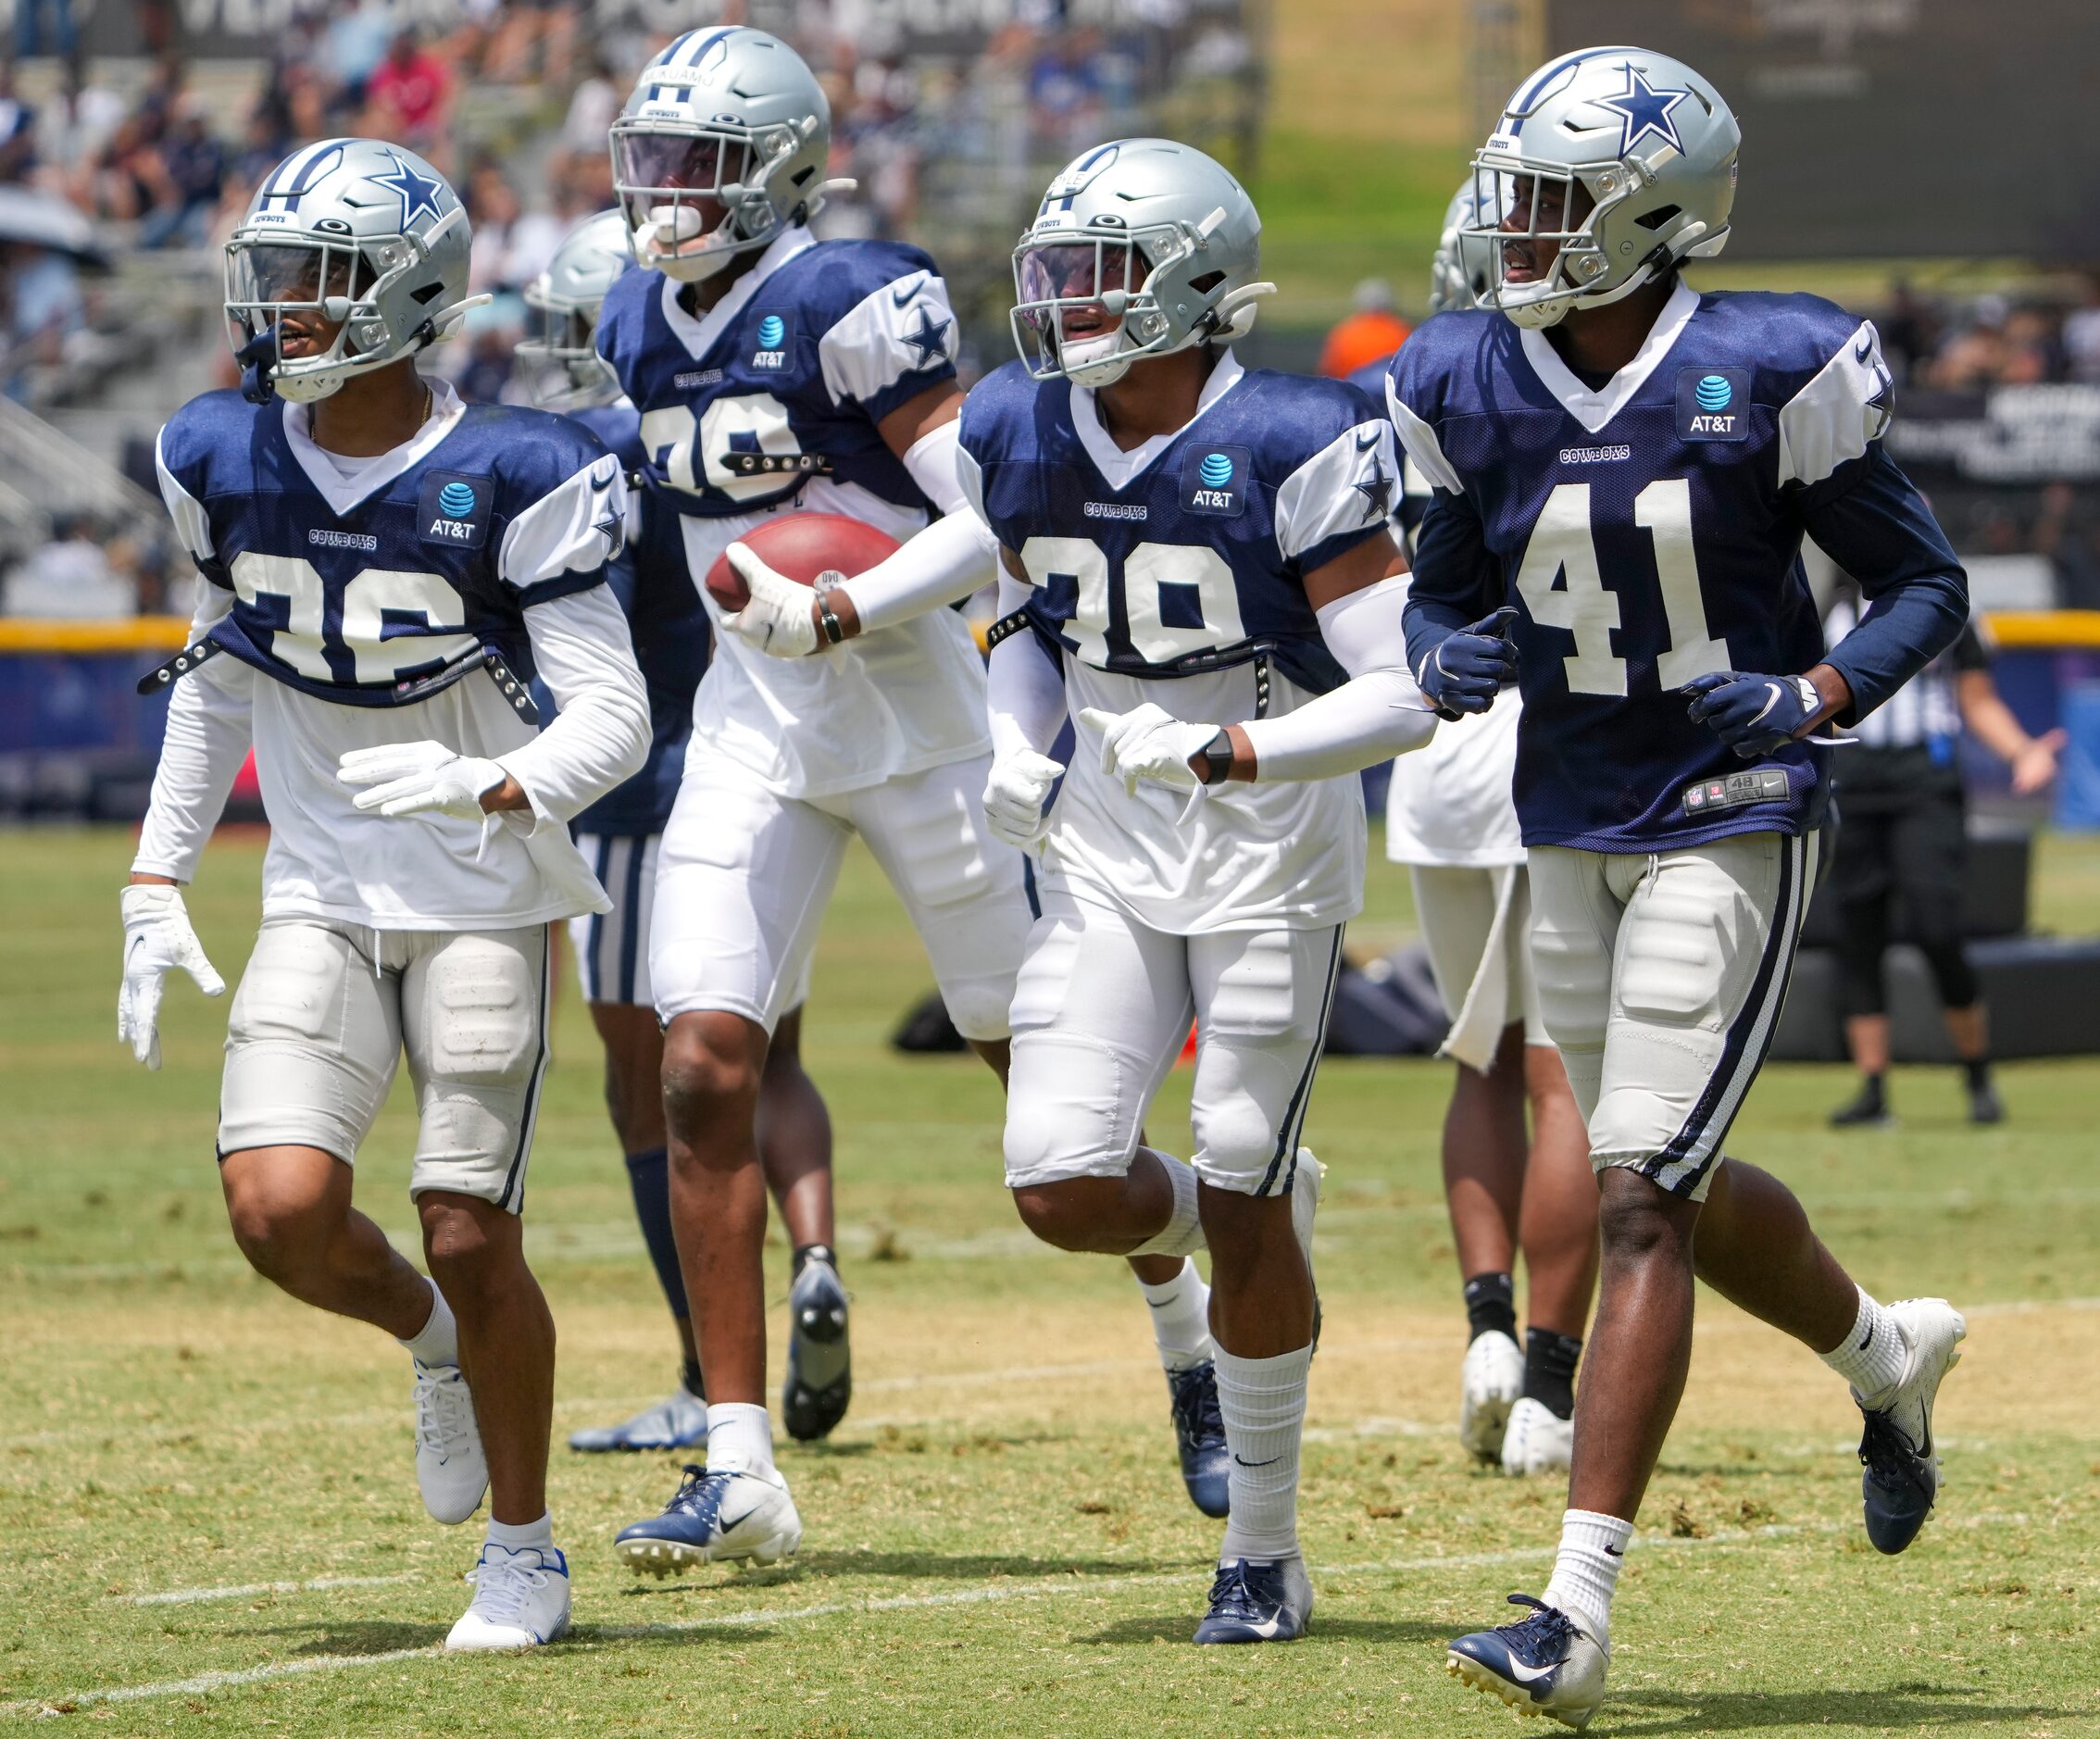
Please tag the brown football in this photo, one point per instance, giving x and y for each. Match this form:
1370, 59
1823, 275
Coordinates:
799, 546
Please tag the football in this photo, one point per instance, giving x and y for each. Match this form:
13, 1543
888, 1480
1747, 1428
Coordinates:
799, 546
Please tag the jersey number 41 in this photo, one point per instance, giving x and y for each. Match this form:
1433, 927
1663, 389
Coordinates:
1562, 543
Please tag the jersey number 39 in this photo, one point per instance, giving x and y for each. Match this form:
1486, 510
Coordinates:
1562, 543
1172, 599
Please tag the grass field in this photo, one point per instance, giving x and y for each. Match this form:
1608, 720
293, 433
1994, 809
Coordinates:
209, 1521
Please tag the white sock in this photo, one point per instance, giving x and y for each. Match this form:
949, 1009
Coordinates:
1592, 1547
516, 1539
1263, 1404
1873, 1357
1180, 1317
1183, 1233
437, 1342
740, 1436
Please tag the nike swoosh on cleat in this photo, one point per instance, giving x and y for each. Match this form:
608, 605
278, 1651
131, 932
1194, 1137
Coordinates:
1529, 1675
1267, 1629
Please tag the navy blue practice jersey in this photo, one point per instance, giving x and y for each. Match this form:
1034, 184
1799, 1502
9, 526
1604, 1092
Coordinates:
784, 378
1196, 562
357, 590
1649, 529
669, 625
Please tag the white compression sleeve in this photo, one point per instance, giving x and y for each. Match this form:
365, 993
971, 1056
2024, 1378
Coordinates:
210, 726
1377, 713
601, 735
1024, 688
949, 560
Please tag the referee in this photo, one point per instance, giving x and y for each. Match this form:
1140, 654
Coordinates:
1904, 832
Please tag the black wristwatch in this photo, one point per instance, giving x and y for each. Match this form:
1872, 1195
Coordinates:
1217, 757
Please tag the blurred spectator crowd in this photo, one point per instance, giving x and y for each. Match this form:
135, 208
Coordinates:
137, 168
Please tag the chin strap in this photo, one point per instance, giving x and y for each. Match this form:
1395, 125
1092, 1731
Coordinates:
258, 357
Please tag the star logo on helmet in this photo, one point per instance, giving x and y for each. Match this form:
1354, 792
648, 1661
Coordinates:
1377, 490
418, 193
929, 340
1641, 109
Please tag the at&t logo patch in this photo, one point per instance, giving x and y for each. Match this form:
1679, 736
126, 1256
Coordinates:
1713, 403
1214, 480
776, 334
453, 510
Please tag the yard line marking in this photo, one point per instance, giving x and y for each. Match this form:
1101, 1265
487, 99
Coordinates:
194, 1596
1063, 1586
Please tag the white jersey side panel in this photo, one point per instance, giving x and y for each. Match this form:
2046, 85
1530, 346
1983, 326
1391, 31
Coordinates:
1259, 855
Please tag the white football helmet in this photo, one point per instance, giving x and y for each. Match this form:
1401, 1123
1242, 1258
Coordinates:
1463, 268
1650, 146
566, 297
721, 146
363, 233
1142, 248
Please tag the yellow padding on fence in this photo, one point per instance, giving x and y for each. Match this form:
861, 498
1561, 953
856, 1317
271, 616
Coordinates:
135, 633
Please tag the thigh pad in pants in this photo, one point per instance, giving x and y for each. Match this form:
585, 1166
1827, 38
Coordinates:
474, 1008
1099, 1015
1262, 998
311, 1041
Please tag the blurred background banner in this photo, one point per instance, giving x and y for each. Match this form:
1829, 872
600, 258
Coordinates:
1890, 129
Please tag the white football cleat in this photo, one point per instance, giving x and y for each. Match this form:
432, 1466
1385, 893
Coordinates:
520, 1600
1536, 1440
1490, 1382
450, 1466
1550, 1663
1902, 1463
715, 1515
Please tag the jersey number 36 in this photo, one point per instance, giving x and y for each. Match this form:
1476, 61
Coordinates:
1562, 543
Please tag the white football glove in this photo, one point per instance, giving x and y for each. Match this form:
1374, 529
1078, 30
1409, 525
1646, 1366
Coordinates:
1014, 794
1148, 743
420, 778
776, 620
157, 939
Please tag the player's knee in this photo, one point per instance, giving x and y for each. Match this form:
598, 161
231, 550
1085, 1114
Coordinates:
1055, 1214
1638, 1221
284, 1240
979, 1006
712, 1067
468, 1252
1236, 1143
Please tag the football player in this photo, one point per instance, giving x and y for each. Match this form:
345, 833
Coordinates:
774, 373
1195, 560
1624, 470
1451, 819
620, 835
386, 570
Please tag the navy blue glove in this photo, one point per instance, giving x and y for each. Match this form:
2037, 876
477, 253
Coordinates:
1468, 669
1754, 715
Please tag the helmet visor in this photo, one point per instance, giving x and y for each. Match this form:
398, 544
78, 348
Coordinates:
293, 274
680, 162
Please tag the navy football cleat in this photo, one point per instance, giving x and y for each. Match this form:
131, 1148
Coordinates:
1902, 1467
1199, 1435
1550, 1663
680, 1422
1258, 1603
819, 1362
716, 1517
